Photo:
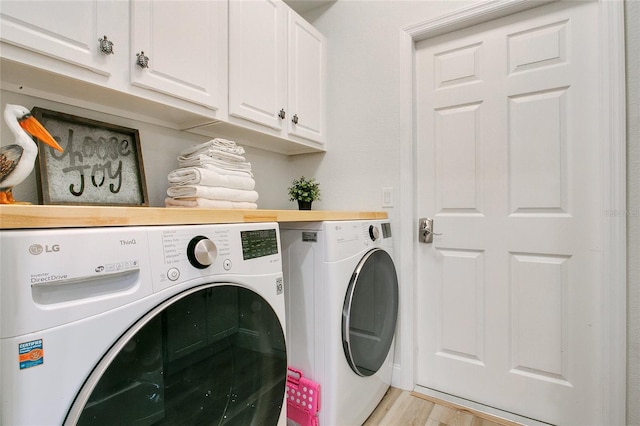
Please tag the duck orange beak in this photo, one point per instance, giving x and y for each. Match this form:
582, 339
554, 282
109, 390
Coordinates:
34, 128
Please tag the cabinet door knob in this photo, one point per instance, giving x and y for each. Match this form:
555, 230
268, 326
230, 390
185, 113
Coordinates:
282, 114
295, 119
106, 46
142, 61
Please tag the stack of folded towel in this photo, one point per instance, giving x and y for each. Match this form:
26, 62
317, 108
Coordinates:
213, 174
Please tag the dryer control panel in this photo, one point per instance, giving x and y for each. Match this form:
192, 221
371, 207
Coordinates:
344, 238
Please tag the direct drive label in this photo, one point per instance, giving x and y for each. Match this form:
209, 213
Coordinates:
30, 354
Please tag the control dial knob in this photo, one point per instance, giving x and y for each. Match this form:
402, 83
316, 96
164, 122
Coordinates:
374, 233
201, 252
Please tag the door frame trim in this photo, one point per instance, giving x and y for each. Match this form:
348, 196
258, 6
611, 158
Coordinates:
612, 110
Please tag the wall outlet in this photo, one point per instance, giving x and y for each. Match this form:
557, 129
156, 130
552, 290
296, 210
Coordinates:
387, 197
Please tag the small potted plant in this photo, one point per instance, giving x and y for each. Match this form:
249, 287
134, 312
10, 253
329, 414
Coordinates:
304, 191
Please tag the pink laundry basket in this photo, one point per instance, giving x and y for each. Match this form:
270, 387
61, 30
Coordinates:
303, 398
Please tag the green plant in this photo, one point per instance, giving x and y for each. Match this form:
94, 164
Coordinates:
304, 190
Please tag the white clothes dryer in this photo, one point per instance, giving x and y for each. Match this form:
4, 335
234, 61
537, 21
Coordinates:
342, 305
142, 325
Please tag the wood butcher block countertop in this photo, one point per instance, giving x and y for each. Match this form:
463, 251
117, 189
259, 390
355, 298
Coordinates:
36, 217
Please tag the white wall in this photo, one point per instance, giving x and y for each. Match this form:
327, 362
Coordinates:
160, 147
363, 97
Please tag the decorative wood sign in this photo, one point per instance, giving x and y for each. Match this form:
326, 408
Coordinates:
101, 163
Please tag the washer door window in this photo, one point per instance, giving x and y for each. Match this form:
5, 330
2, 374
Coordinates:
370, 312
214, 355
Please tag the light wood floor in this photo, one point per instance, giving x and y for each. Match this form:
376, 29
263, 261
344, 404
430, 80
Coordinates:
404, 408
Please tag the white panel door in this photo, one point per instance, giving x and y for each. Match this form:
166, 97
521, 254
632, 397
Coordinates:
509, 168
258, 61
185, 42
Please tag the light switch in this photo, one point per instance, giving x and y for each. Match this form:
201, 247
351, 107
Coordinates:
387, 196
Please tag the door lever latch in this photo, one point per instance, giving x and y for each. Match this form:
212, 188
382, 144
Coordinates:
425, 230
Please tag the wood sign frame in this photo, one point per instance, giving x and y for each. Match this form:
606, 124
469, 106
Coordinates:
101, 163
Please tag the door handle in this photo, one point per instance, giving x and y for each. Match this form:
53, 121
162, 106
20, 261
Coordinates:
425, 230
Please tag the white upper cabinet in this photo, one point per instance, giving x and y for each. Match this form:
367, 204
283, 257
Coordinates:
246, 70
277, 71
183, 44
307, 76
257, 61
69, 32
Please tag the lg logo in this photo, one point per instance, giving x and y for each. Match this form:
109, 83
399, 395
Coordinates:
37, 249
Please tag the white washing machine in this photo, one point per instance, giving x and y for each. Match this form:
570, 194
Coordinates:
342, 305
142, 325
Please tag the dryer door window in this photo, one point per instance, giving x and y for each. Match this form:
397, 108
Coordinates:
214, 355
370, 313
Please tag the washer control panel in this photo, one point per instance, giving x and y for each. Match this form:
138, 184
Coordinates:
183, 253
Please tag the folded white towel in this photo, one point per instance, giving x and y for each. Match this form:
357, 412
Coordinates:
209, 177
198, 160
208, 149
221, 171
212, 193
218, 144
209, 204
219, 155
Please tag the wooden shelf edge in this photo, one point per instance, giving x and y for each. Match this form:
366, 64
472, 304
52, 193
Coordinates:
35, 216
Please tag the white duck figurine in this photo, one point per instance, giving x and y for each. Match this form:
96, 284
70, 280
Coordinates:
17, 160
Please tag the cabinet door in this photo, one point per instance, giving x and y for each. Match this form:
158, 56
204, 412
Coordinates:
257, 61
185, 43
67, 31
307, 76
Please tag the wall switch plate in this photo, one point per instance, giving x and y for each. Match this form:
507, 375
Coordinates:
387, 196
